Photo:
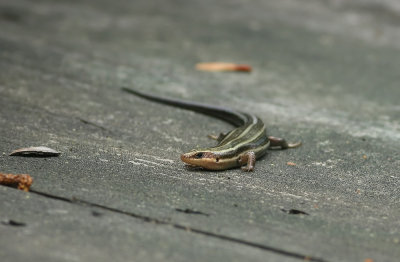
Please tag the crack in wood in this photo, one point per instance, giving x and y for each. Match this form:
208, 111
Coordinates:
294, 211
11, 222
87, 122
191, 211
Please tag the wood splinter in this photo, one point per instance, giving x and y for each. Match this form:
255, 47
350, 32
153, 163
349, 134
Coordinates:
20, 181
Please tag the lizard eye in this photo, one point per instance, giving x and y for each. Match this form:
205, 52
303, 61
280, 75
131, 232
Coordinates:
199, 155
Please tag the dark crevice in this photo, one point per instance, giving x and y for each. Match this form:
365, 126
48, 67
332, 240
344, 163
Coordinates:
93, 124
13, 223
96, 213
10, 15
191, 211
294, 212
181, 227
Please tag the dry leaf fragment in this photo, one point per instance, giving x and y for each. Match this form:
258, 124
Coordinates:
21, 181
219, 66
35, 151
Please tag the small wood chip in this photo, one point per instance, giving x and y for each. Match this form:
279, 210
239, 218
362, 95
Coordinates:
40, 151
219, 66
21, 181
291, 164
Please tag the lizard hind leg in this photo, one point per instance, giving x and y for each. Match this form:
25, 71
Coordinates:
280, 142
247, 161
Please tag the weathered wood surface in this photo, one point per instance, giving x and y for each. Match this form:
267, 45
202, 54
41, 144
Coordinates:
325, 72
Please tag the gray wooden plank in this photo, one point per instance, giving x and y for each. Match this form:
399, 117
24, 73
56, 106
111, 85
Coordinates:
57, 231
61, 68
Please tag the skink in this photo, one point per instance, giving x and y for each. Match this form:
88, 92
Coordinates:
237, 148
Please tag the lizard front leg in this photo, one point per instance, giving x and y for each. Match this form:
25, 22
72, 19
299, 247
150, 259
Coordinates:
247, 161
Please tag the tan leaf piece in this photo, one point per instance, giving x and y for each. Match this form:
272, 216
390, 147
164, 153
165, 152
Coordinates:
219, 66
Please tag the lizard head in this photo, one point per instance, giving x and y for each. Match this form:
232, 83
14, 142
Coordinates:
203, 158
